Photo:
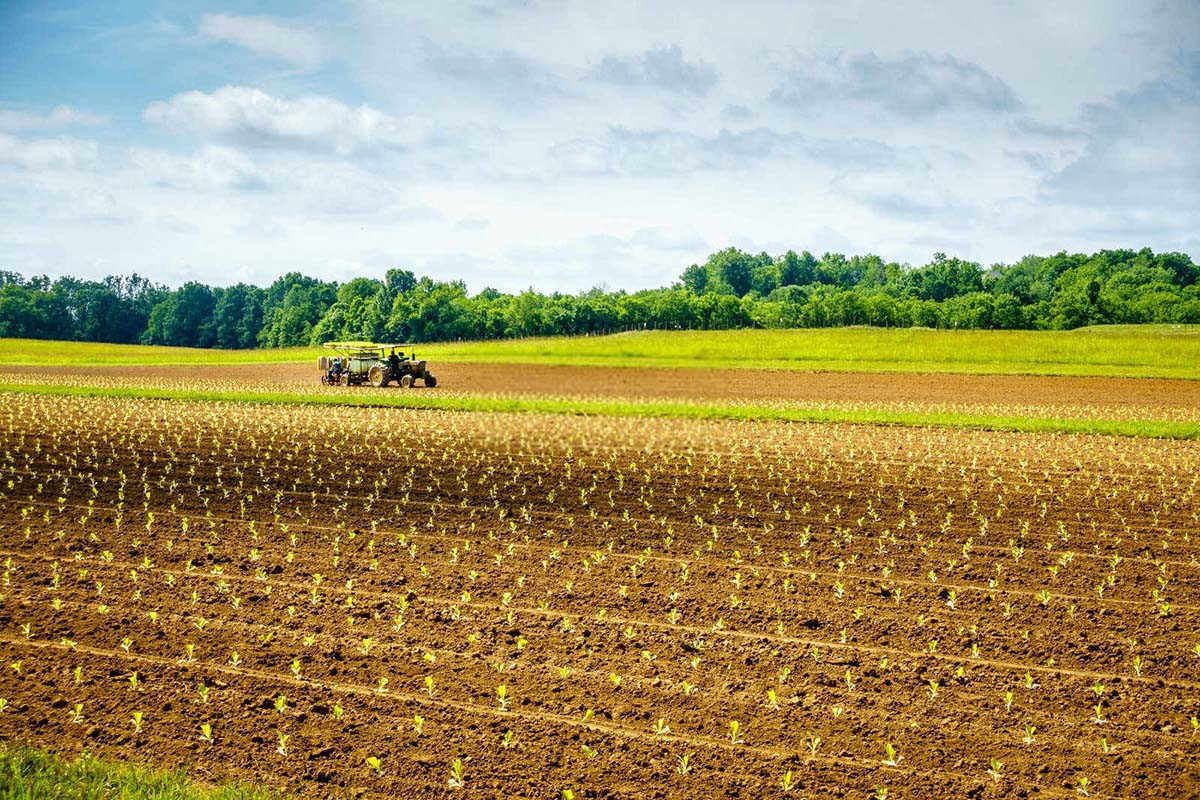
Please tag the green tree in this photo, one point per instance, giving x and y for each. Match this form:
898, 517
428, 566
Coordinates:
184, 318
237, 316
695, 279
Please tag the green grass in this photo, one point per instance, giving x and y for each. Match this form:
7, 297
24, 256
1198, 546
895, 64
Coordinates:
1167, 351
1144, 428
1136, 351
45, 352
27, 774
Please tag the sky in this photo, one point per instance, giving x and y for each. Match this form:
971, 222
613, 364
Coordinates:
563, 145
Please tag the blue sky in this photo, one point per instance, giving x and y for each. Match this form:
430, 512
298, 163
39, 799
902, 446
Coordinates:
565, 144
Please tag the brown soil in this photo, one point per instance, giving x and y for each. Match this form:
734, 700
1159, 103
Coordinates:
675, 570
733, 385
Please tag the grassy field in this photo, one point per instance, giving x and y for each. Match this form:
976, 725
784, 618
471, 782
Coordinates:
1166, 351
27, 774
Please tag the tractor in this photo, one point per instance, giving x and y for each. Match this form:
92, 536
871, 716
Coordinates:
376, 364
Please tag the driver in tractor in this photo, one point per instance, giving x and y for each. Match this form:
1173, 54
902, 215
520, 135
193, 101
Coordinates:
335, 371
394, 362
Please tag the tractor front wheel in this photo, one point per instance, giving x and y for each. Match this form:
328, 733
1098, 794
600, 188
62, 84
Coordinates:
406, 381
430, 381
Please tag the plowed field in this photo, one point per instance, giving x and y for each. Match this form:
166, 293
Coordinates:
1033, 396
517, 605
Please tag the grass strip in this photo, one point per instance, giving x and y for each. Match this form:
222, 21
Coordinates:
28, 774
1138, 428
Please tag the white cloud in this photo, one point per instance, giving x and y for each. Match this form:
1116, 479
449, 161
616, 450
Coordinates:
265, 36
913, 85
62, 152
213, 168
59, 117
1142, 148
658, 68
253, 118
662, 152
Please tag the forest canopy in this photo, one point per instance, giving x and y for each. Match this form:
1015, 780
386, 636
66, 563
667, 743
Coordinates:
732, 289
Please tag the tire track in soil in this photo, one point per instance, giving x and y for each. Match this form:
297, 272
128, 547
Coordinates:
984, 701
622, 621
866, 765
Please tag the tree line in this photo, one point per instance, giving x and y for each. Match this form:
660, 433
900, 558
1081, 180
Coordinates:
732, 289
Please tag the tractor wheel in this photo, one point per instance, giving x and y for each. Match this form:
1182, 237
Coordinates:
430, 381
345, 379
375, 375
406, 381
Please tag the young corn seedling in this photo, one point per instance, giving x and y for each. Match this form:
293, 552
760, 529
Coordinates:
891, 757
418, 723
457, 779
661, 728
375, 764
995, 769
77, 713
683, 764
1028, 737
735, 728
502, 696
206, 732
786, 783
281, 743
813, 742
136, 719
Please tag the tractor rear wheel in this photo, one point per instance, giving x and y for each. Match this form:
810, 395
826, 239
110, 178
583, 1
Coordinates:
375, 375
406, 381
430, 381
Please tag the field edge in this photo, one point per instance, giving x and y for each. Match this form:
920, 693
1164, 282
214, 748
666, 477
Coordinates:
27, 773
1151, 351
